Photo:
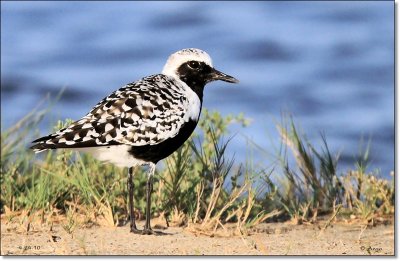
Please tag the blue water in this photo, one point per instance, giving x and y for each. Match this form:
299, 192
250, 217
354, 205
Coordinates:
328, 63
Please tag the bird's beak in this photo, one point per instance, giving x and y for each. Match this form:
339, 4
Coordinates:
217, 75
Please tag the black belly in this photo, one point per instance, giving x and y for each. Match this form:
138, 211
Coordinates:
155, 153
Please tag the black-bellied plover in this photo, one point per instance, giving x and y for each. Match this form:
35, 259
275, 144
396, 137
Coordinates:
144, 121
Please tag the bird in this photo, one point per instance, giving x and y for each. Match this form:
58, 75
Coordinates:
143, 122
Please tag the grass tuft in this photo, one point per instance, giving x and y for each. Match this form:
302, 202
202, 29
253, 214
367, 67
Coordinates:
200, 186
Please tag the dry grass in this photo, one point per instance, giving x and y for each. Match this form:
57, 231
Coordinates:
198, 187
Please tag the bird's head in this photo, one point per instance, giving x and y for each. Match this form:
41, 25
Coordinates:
194, 67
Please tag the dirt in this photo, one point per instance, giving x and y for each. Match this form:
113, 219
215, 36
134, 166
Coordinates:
266, 239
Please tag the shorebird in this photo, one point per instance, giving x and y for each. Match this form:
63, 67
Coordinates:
143, 122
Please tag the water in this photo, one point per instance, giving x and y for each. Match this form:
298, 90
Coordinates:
328, 63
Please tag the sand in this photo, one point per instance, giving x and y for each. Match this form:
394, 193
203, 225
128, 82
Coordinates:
266, 239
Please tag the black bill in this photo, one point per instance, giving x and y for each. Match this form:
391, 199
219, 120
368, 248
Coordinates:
217, 75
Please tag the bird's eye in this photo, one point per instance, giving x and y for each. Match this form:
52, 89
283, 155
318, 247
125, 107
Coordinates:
194, 65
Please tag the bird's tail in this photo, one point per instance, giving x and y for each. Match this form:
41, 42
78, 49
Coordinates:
44, 143
78, 135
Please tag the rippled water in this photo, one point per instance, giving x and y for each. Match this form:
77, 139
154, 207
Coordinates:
329, 63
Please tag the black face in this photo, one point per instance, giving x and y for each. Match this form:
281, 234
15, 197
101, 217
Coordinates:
197, 74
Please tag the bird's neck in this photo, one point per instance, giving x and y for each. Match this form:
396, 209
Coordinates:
196, 85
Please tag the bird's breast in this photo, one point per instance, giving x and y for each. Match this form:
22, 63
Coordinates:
193, 105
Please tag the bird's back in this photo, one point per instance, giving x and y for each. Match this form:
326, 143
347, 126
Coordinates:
141, 115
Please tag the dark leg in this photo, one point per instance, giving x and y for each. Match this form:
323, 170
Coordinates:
131, 187
149, 189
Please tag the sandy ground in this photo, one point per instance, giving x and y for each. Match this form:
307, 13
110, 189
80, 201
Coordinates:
268, 239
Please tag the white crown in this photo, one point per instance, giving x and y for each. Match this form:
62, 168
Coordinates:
175, 60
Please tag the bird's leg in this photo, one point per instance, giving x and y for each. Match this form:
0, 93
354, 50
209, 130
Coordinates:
149, 189
131, 187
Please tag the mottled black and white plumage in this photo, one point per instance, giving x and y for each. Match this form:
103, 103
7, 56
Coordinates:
144, 121
144, 113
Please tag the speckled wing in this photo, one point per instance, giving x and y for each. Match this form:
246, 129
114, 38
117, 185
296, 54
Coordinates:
146, 112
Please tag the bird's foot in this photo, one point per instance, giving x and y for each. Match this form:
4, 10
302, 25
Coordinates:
153, 232
149, 231
134, 230
146, 231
